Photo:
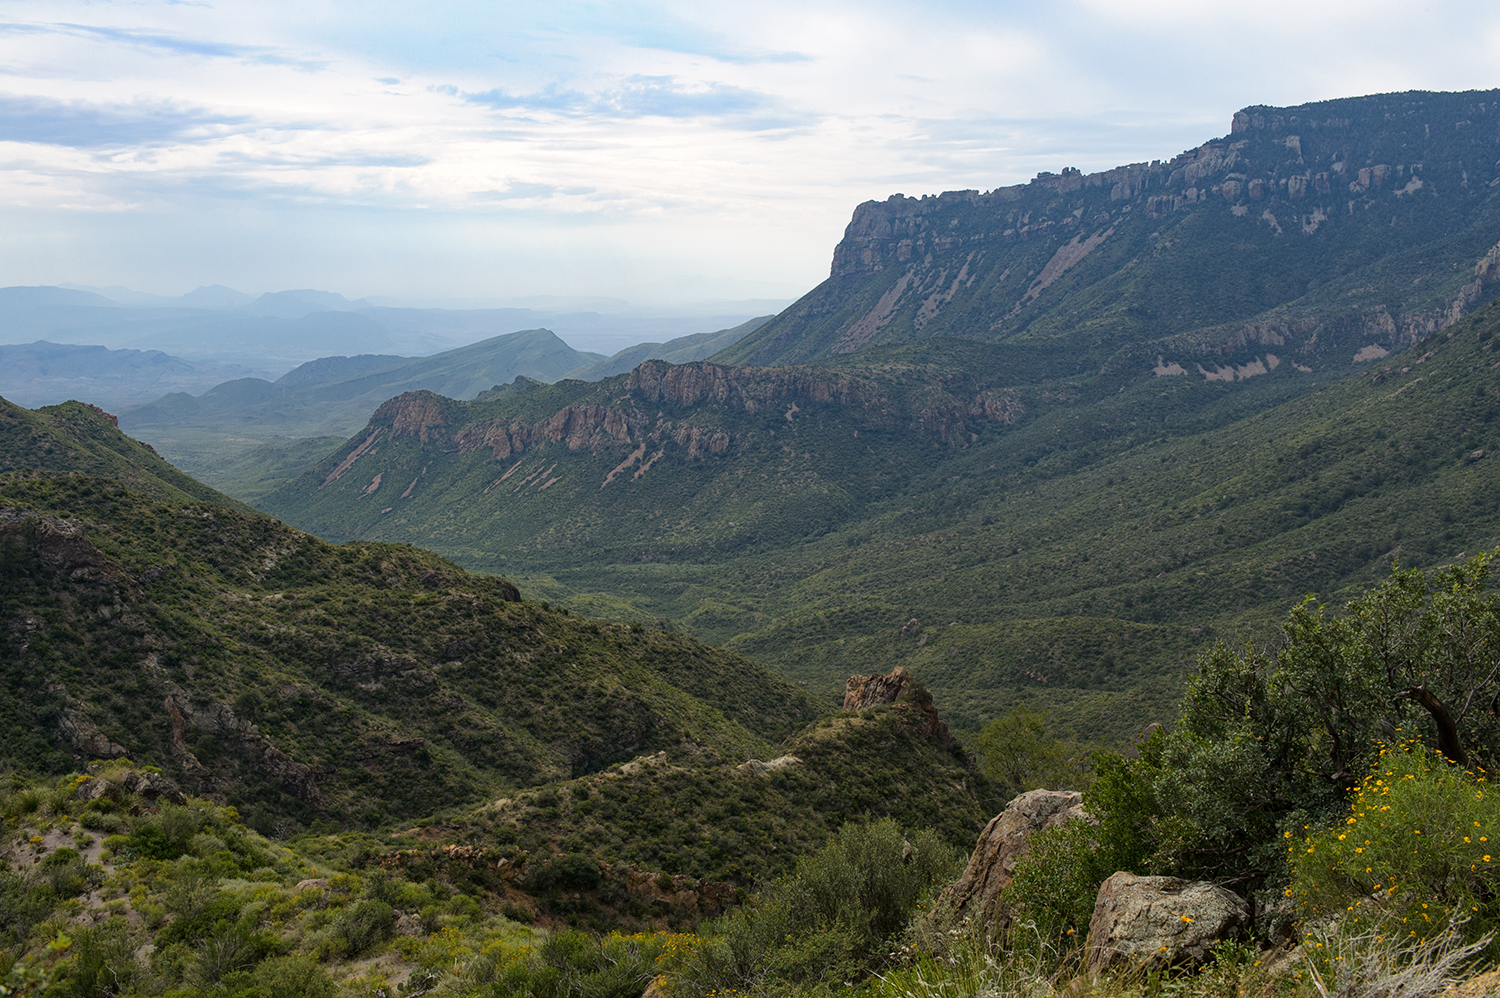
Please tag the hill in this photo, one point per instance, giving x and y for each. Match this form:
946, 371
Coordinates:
365, 684
1321, 230
1043, 540
43, 373
243, 433
682, 350
74, 437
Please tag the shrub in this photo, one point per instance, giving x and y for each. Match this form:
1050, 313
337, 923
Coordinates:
833, 918
1421, 840
297, 976
360, 926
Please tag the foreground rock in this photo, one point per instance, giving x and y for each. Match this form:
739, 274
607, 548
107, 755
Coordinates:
976, 894
1161, 921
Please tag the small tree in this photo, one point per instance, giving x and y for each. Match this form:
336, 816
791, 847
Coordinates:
1271, 740
1018, 754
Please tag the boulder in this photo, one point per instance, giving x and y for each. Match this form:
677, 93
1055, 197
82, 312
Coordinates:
1161, 921
754, 767
976, 894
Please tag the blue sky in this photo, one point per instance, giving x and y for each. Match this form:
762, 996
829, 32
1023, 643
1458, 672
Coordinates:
653, 151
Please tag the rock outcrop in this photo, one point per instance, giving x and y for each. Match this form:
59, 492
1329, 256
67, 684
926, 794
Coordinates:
1161, 921
976, 894
909, 700
754, 767
864, 692
60, 545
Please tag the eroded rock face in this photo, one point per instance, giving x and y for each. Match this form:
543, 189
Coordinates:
911, 703
976, 894
864, 692
1161, 921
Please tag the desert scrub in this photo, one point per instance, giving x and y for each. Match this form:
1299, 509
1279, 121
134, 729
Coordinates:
834, 918
1420, 841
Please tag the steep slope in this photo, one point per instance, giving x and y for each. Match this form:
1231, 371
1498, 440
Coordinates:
1340, 229
917, 506
257, 664
74, 437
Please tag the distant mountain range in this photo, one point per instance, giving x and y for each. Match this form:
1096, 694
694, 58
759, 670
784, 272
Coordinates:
279, 330
42, 373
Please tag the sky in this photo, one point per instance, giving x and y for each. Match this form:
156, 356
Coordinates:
657, 152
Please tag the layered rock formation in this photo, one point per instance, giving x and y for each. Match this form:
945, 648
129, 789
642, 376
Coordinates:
1291, 200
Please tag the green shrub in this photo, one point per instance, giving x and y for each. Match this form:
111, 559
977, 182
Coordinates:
297, 976
832, 919
1421, 840
361, 926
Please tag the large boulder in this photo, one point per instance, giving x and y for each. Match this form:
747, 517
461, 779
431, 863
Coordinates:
976, 894
1161, 921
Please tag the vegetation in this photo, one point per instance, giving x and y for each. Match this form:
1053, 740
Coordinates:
1075, 560
366, 684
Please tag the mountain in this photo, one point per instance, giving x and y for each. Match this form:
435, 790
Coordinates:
682, 350
240, 432
43, 373
147, 616
296, 304
1002, 526
1338, 229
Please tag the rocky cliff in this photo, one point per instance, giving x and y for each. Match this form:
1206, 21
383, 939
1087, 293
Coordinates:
1304, 209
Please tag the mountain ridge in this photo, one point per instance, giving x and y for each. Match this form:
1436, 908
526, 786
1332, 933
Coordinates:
1171, 246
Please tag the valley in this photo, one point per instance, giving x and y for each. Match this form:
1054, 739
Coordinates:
514, 668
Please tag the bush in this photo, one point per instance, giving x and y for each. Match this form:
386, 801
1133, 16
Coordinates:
832, 919
360, 926
1421, 840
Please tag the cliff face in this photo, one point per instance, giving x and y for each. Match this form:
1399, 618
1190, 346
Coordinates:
1305, 209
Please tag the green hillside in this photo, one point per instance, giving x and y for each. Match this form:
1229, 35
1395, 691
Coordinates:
366, 683
1068, 541
1359, 220
76, 437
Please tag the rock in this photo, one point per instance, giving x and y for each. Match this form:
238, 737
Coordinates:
864, 692
976, 894
911, 703
317, 883
754, 767
1161, 921
151, 787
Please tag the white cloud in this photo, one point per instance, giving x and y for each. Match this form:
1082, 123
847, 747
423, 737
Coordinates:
622, 142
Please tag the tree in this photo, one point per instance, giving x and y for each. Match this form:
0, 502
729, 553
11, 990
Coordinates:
1275, 738
1017, 754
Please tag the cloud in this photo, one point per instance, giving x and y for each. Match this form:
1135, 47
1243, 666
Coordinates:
88, 125
518, 190
173, 44
636, 97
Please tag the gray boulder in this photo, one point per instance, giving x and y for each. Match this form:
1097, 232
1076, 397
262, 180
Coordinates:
976, 894
1161, 921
